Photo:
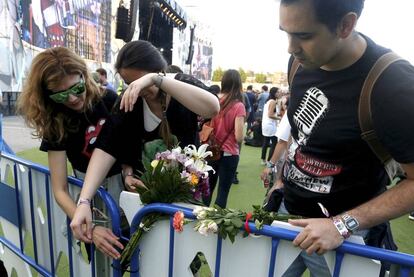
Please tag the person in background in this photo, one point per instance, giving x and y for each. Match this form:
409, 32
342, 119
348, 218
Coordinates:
153, 107
96, 77
273, 169
103, 79
228, 131
249, 109
173, 69
261, 101
252, 99
215, 89
328, 162
68, 110
269, 125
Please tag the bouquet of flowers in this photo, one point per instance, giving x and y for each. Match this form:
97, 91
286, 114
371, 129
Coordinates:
176, 175
228, 222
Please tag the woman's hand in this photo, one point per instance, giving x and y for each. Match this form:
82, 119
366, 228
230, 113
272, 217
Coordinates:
81, 223
134, 90
131, 183
105, 240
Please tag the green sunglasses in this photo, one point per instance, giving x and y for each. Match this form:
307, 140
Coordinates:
63, 96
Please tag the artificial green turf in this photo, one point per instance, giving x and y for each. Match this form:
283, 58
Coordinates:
250, 192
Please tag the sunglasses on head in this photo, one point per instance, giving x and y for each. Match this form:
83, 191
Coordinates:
63, 96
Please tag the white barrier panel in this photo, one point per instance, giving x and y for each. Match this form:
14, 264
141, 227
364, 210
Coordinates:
51, 241
245, 257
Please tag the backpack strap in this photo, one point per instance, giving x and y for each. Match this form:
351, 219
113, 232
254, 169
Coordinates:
293, 68
364, 109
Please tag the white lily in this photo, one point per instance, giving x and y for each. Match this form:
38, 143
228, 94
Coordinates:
199, 153
177, 150
202, 166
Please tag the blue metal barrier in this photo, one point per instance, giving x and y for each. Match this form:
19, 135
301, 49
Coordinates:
406, 261
3, 145
19, 250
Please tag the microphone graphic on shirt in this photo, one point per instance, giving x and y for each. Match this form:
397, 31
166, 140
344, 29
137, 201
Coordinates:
310, 112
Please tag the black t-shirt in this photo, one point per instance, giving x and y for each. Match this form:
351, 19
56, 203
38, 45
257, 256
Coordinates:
124, 136
79, 145
328, 162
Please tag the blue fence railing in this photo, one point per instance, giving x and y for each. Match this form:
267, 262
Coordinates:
13, 211
405, 261
31, 179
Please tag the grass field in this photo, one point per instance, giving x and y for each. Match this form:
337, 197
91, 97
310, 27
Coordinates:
250, 191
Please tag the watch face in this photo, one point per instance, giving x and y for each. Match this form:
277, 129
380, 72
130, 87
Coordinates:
352, 224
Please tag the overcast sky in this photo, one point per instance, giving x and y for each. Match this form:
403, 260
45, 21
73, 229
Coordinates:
246, 32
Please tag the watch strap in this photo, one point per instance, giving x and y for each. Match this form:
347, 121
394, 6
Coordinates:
340, 226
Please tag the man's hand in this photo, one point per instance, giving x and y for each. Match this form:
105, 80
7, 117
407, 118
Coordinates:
105, 240
318, 236
266, 171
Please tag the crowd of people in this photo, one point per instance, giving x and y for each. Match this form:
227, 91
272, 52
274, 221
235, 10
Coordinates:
313, 132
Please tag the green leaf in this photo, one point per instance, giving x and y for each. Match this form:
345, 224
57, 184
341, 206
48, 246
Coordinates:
229, 228
219, 221
237, 222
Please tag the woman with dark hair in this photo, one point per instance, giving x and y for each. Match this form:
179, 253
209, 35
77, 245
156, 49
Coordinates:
66, 108
153, 106
269, 124
228, 131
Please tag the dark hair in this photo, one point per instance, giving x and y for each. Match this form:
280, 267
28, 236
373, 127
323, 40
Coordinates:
272, 93
265, 88
215, 89
173, 69
102, 71
331, 12
231, 85
140, 54
249, 87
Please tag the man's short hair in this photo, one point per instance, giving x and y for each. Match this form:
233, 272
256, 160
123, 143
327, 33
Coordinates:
265, 88
173, 69
330, 13
215, 89
249, 87
102, 72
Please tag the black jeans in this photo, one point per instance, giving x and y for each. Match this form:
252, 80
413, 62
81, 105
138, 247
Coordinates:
266, 144
225, 169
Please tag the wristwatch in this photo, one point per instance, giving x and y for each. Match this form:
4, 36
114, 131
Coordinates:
351, 223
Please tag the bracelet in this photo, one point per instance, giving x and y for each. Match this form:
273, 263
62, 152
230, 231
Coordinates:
340, 226
157, 79
270, 164
85, 201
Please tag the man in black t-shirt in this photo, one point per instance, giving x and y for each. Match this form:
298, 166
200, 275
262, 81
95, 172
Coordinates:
329, 165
